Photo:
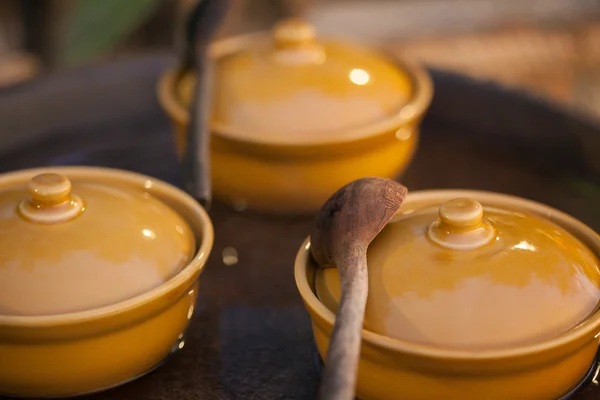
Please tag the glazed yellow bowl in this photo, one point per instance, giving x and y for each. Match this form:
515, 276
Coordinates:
284, 138
80, 352
393, 369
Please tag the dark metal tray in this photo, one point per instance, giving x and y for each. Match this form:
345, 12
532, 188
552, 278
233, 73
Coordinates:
251, 337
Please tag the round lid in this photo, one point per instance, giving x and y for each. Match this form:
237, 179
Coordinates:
291, 86
466, 277
68, 247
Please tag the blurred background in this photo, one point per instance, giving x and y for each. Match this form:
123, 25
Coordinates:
548, 47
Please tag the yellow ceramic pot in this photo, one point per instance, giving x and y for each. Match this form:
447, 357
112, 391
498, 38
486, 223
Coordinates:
98, 277
468, 301
295, 117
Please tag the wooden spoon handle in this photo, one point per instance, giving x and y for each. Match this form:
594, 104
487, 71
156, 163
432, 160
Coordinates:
200, 29
196, 161
341, 364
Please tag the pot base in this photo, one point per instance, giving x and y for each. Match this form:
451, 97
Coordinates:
178, 345
588, 379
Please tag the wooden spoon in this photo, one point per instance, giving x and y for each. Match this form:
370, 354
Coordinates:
343, 229
201, 26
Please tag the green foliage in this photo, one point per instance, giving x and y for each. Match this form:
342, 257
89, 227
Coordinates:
589, 191
94, 27
587, 188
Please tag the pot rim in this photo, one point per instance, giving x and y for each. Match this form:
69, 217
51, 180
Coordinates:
134, 179
420, 99
590, 327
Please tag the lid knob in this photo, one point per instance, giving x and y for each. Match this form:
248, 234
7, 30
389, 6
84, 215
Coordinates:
293, 31
50, 200
461, 213
461, 225
295, 43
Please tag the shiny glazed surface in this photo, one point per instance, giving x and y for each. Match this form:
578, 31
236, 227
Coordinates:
262, 97
532, 282
272, 320
280, 169
394, 369
87, 364
124, 243
86, 351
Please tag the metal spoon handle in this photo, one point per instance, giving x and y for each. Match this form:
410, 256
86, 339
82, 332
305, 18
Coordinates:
341, 364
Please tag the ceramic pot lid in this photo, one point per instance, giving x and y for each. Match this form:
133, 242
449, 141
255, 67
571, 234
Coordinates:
68, 247
292, 86
465, 277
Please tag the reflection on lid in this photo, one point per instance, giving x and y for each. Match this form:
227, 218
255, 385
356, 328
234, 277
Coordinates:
107, 254
532, 282
148, 233
524, 245
305, 92
359, 76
